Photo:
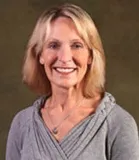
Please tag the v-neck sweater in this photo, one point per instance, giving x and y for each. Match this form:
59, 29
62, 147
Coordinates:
109, 134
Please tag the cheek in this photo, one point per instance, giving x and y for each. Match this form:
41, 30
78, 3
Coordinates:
83, 57
48, 58
83, 60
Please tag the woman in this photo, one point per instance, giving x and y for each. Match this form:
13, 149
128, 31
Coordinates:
74, 118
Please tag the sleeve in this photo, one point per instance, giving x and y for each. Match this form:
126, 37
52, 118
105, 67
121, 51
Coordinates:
124, 138
13, 146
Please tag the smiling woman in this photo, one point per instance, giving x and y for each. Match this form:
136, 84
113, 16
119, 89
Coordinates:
74, 118
84, 36
65, 56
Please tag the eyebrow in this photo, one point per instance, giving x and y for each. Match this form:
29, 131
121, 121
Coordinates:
57, 40
52, 39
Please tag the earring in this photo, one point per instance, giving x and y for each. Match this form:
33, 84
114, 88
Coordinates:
41, 60
89, 61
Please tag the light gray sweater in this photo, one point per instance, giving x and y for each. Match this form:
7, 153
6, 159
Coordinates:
109, 134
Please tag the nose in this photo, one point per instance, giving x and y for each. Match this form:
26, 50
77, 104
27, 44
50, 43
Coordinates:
65, 54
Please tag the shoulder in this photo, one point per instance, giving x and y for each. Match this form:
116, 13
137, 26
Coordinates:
122, 136
20, 126
119, 119
25, 116
122, 127
117, 115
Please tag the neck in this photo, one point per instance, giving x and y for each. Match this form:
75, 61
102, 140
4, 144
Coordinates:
66, 98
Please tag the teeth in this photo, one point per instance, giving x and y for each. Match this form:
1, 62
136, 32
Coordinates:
65, 70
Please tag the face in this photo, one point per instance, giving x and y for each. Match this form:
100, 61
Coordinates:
65, 56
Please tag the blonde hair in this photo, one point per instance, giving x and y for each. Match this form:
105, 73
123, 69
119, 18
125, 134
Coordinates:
33, 72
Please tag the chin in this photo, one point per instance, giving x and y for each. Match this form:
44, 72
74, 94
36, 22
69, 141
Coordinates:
65, 84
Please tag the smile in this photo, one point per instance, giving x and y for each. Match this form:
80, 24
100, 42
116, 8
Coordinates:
65, 70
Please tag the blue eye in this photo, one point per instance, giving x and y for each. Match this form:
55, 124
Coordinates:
53, 45
77, 45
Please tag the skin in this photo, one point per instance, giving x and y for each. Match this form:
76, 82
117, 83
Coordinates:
65, 58
64, 49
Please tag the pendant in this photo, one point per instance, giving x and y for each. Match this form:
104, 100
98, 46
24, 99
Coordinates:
55, 131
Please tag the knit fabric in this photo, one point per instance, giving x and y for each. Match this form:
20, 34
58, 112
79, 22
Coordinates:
109, 134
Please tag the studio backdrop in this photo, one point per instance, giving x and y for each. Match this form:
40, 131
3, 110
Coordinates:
118, 24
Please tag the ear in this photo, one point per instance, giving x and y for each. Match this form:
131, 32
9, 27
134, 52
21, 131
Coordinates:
41, 60
89, 60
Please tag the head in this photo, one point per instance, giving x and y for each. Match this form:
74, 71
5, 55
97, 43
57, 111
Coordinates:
33, 70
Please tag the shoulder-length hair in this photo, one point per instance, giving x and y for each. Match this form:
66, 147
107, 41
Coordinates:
33, 72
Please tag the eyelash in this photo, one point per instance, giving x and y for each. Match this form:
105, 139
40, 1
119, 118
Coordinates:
76, 46
55, 45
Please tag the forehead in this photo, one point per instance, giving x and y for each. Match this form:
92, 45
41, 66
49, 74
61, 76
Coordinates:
63, 20
62, 27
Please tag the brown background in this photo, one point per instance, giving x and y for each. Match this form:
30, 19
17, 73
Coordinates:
118, 24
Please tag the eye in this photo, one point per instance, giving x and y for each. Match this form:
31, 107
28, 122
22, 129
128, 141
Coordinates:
53, 45
77, 45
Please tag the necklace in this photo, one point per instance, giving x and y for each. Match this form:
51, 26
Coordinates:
55, 129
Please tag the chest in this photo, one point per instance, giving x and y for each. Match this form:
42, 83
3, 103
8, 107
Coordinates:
84, 142
60, 124
94, 150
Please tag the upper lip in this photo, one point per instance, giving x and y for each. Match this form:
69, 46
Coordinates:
64, 67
